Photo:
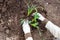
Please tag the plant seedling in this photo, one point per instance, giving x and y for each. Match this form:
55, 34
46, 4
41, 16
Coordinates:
30, 9
21, 21
33, 22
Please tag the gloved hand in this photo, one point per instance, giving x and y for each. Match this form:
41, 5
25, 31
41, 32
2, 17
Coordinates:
26, 27
42, 18
54, 29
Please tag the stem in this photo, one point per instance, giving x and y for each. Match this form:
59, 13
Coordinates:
39, 31
36, 9
40, 34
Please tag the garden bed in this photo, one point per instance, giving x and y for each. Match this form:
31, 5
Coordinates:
11, 11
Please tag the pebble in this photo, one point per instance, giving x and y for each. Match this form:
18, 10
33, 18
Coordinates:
47, 3
13, 38
8, 38
10, 20
2, 22
56, 7
7, 31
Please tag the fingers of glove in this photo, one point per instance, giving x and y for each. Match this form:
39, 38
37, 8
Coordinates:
42, 18
26, 27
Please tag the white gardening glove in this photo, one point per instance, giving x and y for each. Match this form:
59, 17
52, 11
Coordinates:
54, 29
40, 16
26, 27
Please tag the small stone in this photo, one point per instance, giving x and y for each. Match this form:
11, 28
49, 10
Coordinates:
8, 38
2, 22
15, 37
7, 31
10, 20
5, 27
56, 7
47, 3
8, 23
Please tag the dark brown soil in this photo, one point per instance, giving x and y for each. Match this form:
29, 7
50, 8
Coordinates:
11, 11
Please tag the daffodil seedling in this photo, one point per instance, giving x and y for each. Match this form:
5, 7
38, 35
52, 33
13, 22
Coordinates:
33, 22
30, 9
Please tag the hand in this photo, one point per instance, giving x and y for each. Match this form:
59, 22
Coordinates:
42, 18
26, 27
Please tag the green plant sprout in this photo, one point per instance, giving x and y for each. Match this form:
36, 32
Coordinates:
30, 9
33, 22
21, 21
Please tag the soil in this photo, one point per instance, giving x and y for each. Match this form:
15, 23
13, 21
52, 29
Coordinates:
11, 11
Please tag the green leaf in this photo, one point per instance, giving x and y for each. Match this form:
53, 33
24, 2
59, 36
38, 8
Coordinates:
34, 25
30, 9
21, 21
30, 22
36, 16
